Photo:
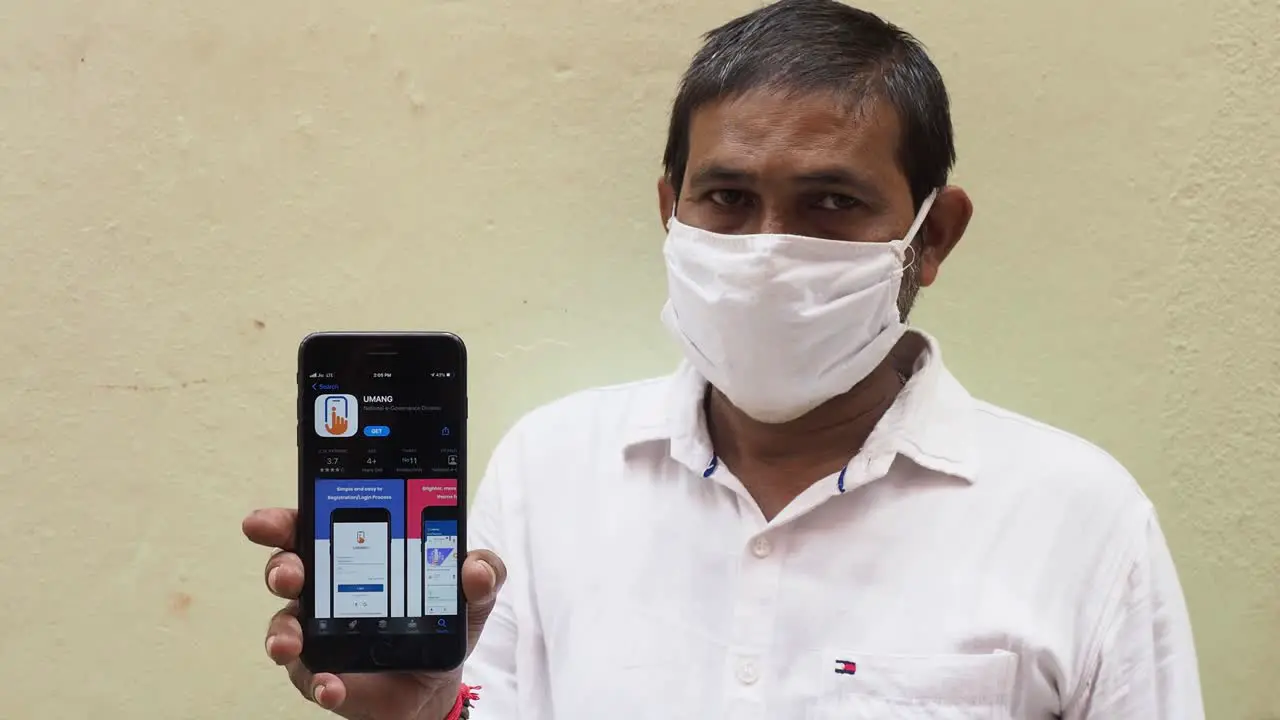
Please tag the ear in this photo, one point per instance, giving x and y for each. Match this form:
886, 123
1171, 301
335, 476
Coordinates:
666, 201
943, 229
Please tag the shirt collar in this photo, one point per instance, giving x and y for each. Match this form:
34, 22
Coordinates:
929, 423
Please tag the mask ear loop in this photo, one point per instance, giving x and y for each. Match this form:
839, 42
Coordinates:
907, 266
910, 237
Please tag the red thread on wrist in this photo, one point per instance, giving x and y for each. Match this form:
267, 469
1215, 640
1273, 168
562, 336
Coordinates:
466, 694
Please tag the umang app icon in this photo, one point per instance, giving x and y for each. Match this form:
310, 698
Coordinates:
337, 415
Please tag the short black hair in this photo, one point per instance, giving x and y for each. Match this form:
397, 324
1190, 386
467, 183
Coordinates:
823, 46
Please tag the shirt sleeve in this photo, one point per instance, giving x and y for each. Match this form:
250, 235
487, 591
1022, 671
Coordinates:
494, 524
1145, 665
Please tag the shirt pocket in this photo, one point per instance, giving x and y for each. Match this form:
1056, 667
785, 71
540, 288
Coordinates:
917, 687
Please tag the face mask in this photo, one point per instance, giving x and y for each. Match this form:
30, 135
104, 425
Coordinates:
783, 323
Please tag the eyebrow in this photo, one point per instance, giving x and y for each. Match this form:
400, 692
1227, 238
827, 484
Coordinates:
714, 174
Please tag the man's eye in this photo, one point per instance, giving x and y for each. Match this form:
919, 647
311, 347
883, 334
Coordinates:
837, 202
727, 198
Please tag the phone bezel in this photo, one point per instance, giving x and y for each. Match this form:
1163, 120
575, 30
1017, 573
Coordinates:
372, 651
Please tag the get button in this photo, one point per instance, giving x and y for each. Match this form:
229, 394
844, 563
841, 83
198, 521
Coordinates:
376, 431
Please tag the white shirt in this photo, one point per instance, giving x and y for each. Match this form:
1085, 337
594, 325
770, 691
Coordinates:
973, 563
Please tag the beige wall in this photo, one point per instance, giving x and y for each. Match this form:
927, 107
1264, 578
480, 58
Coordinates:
188, 188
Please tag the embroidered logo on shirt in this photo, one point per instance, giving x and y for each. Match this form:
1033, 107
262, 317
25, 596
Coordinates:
844, 667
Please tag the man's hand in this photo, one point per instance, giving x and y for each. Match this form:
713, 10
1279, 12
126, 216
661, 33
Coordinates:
381, 696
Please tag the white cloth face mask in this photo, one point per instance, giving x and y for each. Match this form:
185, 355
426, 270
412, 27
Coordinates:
783, 323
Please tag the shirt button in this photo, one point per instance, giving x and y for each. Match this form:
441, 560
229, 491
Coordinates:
762, 547
747, 673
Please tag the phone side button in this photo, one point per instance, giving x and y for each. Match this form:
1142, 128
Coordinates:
383, 653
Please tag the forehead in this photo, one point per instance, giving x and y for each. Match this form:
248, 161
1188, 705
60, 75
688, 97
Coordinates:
772, 133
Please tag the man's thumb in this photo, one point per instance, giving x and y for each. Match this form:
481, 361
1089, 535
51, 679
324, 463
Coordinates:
483, 574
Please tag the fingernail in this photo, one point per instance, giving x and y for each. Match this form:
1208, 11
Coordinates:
271, 643
271, 578
318, 694
493, 574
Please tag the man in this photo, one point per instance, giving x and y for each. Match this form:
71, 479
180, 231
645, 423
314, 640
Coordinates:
811, 518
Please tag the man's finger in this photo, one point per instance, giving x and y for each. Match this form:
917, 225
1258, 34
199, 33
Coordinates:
483, 574
325, 690
272, 527
284, 575
284, 636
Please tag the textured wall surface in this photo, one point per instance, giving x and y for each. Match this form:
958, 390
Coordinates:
188, 188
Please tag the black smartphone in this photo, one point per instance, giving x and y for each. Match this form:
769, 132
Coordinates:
382, 427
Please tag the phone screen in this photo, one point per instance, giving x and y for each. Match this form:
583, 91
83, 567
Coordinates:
382, 439
360, 562
439, 566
